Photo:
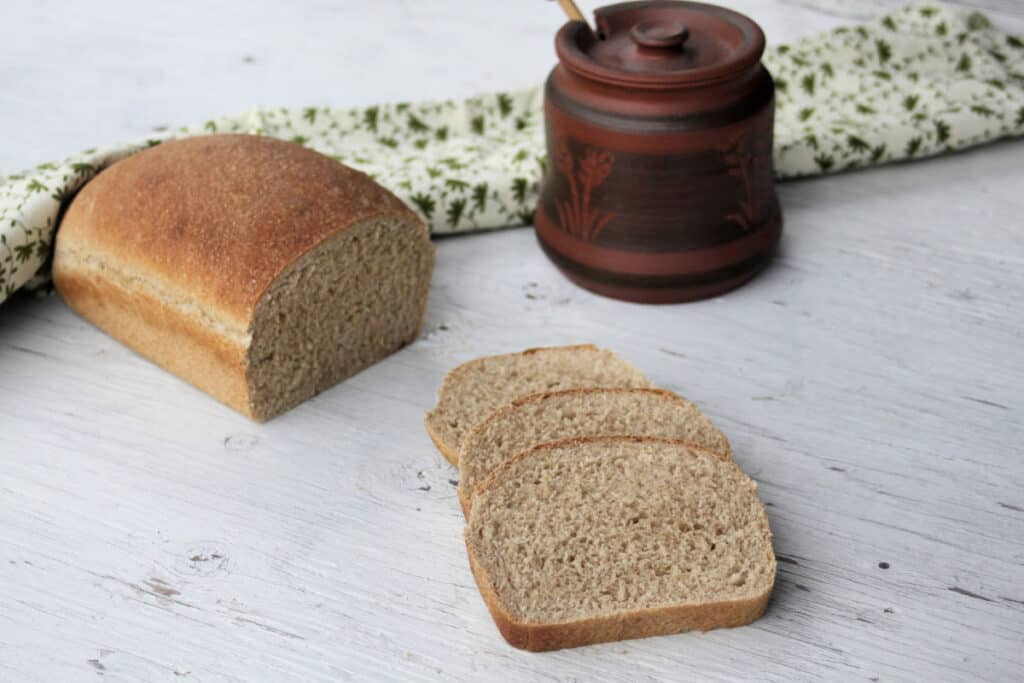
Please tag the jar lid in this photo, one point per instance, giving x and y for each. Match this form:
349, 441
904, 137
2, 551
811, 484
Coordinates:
661, 44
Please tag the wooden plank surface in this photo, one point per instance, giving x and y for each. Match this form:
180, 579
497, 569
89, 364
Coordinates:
870, 382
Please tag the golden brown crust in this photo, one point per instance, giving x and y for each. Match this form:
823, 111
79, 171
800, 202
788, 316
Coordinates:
216, 218
641, 623
540, 349
464, 501
178, 343
449, 455
580, 391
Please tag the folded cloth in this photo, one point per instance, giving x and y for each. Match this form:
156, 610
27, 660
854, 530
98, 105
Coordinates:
925, 80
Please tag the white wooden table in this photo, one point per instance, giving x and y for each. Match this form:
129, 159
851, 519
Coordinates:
871, 381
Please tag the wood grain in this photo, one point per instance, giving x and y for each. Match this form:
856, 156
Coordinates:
870, 381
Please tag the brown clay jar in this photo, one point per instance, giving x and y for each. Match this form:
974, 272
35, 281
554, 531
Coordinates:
659, 184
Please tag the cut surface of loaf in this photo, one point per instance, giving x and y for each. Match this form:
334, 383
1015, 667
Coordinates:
472, 390
257, 270
606, 538
559, 415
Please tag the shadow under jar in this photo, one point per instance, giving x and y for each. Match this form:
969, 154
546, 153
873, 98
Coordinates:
659, 185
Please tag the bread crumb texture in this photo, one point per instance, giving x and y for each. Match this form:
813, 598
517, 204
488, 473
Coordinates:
554, 416
592, 528
472, 390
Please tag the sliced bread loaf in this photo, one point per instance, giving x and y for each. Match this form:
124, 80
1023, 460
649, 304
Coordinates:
472, 390
260, 271
605, 538
557, 415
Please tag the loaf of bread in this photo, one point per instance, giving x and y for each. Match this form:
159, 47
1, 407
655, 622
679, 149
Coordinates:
472, 390
257, 270
558, 415
606, 538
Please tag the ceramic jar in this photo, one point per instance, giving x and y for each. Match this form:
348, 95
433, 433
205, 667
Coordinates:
659, 184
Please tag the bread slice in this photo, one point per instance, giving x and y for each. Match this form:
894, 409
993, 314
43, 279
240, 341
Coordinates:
557, 415
605, 538
472, 390
260, 271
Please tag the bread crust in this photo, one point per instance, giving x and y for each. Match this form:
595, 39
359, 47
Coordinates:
216, 218
449, 455
465, 499
624, 625
181, 344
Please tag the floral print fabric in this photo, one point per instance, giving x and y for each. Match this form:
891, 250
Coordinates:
925, 80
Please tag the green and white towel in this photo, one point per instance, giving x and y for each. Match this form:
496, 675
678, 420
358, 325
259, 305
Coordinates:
924, 80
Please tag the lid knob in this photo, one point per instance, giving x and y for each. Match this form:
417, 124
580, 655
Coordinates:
659, 35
